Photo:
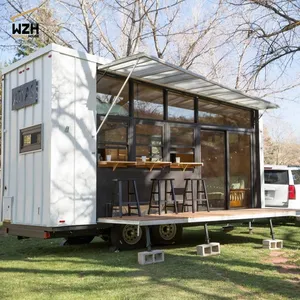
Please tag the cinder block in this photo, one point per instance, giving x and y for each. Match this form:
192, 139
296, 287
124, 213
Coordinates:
215, 248
208, 249
273, 244
158, 256
151, 257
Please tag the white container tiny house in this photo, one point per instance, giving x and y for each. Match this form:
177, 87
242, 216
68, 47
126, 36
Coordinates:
54, 185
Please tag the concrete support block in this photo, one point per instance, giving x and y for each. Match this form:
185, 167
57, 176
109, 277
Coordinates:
273, 244
151, 257
208, 249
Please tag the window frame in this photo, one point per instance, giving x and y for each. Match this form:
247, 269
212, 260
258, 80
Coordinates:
32, 147
114, 145
173, 147
151, 123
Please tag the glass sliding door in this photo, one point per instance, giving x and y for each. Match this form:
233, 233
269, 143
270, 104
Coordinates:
240, 170
213, 157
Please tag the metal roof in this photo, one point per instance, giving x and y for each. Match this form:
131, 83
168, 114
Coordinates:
156, 71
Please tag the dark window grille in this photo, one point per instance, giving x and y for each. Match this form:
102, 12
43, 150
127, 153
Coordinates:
31, 138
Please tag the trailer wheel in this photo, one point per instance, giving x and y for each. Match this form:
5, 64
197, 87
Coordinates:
166, 234
126, 237
78, 240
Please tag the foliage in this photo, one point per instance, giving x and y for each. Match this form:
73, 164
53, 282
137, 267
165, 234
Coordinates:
50, 29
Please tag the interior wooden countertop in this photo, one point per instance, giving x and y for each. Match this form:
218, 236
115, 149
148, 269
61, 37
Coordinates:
148, 164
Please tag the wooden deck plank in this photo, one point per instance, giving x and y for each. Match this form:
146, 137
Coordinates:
201, 217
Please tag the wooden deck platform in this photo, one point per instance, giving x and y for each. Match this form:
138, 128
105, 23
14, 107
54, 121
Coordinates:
201, 217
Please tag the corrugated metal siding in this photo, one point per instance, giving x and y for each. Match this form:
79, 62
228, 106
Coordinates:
261, 159
26, 176
73, 148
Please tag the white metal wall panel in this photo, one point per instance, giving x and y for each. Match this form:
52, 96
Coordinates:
62, 147
73, 159
28, 157
24, 174
13, 170
46, 93
85, 143
261, 159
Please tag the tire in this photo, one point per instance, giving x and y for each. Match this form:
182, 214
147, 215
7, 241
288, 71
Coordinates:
78, 240
167, 234
125, 237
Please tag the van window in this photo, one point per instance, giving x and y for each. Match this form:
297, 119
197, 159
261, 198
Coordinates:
296, 176
276, 177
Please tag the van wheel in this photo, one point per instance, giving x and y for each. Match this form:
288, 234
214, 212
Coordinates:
125, 237
167, 234
77, 240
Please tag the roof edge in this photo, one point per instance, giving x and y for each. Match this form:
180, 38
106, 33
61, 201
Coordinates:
56, 48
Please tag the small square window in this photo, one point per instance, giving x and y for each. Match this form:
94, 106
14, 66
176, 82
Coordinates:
30, 138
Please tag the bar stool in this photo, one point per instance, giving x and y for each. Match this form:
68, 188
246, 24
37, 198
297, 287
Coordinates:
201, 197
156, 190
118, 191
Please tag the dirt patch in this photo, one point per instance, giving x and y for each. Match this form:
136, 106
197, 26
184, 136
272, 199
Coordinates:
2, 232
290, 269
277, 258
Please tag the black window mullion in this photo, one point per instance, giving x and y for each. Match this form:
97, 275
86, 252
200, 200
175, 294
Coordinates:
166, 142
227, 168
131, 125
196, 112
165, 99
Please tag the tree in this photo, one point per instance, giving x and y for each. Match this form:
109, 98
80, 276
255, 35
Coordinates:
280, 145
273, 29
50, 29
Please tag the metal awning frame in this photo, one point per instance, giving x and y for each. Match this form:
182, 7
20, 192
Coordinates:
164, 74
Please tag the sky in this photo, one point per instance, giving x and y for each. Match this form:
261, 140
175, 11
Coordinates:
286, 118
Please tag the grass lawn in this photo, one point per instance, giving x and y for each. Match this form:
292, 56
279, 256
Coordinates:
42, 269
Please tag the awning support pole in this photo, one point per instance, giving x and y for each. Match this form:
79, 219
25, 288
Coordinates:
117, 97
271, 229
148, 239
207, 239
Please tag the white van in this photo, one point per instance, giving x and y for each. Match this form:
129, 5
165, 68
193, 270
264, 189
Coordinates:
282, 186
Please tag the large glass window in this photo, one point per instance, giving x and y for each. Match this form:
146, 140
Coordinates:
180, 108
213, 170
219, 114
240, 169
149, 141
113, 141
148, 102
182, 144
107, 90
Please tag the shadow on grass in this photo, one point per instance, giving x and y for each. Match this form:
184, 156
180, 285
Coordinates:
14, 249
212, 269
94, 261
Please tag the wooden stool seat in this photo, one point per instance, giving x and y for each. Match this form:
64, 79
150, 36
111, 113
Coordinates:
156, 190
201, 197
118, 191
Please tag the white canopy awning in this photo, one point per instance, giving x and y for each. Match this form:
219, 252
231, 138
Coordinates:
156, 71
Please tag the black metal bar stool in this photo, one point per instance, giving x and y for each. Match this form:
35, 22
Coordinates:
156, 190
201, 194
131, 193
